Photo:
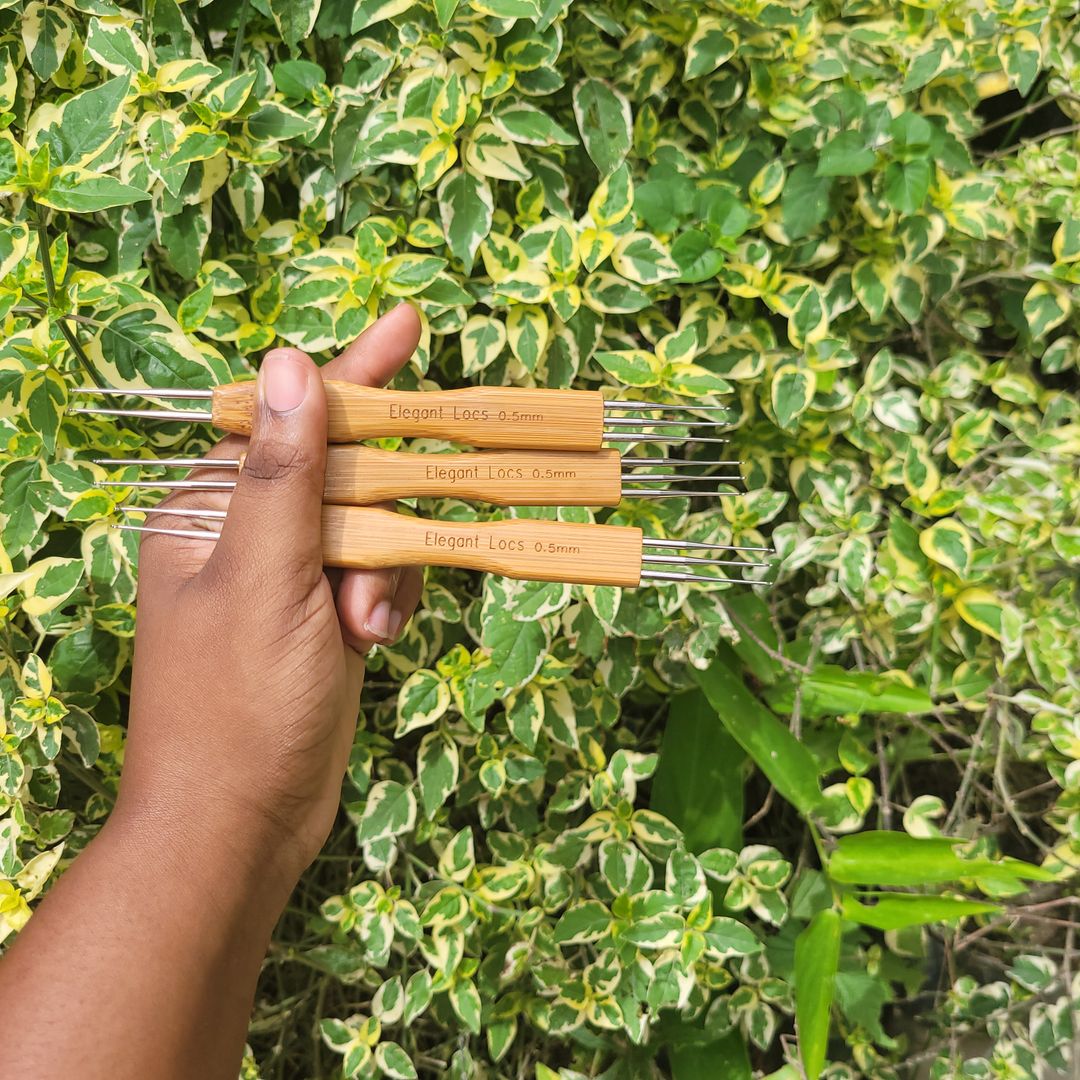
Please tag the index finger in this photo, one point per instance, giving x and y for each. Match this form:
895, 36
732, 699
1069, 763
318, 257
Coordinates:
381, 351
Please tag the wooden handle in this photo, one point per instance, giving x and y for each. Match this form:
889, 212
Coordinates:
365, 538
362, 475
496, 416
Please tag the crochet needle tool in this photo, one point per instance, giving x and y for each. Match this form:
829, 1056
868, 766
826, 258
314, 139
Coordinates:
367, 538
502, 417
363, 475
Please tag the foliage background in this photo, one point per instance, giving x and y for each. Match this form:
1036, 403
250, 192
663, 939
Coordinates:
589, 833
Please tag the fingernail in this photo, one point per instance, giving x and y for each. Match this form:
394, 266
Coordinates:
284, 380
378, 622
395, 626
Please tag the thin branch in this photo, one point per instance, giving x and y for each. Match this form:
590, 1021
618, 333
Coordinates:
44, 254
241, 26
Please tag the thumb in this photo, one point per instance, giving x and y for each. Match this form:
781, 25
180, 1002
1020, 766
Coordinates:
272, 534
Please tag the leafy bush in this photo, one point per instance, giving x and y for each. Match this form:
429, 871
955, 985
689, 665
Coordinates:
587, 831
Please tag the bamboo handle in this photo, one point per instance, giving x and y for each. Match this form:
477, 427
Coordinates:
362, 475
365, 538
496, 416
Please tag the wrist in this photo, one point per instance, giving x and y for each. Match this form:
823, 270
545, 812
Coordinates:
224, 857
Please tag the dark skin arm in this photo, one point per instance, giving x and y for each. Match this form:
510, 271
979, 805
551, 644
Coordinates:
142, 960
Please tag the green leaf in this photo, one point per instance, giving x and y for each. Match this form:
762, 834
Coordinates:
193, 309
276, 121
466, 208
12, 772
436, 770
928, 64
792, 390
632, 367
297, 78
869, 281
46, 33
1045, 307
695, 256
693, 381
24, 492
417, 995
604, 122
226, 97
525, 123
789, 766
86, 125
911, 134
336, 1034
87, 660
907, 184
758, 641
369, 12
527, 331
1021, 57
805, 202
586, 921
394, 1062
295, 19
708, 48
82, 731
517, 649
983, 610
613, 295
613, 199
81, 192
507, 9
895, 911
642, 258
727, 1058
698, 784
422, 699
116, 48
14, 244
444, 11
44, 400
817, 954
465, 1001
729, 937
389, 811
142, 345
489, 154
846, 154
409, 274
833, 691
949, 544
892, 858
482, 340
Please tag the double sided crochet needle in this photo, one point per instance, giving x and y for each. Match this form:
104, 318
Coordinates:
503, 417
363, 476
366, 538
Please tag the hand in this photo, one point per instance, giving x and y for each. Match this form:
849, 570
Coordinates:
248, 657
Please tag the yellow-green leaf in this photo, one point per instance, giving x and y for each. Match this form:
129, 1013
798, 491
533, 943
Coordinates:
949, 544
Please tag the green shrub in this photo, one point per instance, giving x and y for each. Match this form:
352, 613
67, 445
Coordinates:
588, 832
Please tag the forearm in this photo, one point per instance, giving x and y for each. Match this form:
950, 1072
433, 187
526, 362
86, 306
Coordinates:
142, 960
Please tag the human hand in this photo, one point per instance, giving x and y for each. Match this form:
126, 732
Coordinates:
248, 657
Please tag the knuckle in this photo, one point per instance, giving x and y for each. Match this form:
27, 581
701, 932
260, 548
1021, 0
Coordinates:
268, 462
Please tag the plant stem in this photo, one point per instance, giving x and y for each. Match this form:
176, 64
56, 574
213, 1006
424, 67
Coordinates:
43, 253
1018, 119
241, 25
88, 777
50, 288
